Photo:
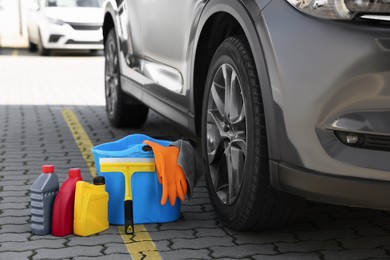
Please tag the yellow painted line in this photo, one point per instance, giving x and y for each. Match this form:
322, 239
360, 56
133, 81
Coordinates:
140, 245
82, 140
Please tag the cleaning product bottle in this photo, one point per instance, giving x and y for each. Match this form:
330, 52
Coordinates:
91, 207
43, 192
62, 221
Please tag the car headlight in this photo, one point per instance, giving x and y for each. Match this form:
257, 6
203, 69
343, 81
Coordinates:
55, 21
342, 9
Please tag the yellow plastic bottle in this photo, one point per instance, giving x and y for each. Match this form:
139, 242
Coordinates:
90, 207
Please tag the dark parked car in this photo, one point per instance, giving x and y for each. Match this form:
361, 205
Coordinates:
291, 98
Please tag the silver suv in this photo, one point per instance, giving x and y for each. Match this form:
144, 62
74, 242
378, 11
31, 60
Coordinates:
291, 98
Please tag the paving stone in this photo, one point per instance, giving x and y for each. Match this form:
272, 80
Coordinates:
300, 226
292, 256
326, 234
357, 214
241, 251
355, 254
22, 199
32, 245
163, 245
70, 252
22, 188
13, 237
191, 208
385, 220
316, 207
46, 237
188, 216
94, 240
111, 256
203, 242
111, 230
167, 234
25, 228
13, 194
22, 205
314, 217
344, 223
264, 238
365, 242
10, 183
307, 246
14, 220
16, 255
210, 232
152, 227
181, 225
208, 207
16, 212
200, 201
20, 177
230, 258
115, 248
375, 231
186, 254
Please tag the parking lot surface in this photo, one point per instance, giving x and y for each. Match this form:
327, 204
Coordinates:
37, 94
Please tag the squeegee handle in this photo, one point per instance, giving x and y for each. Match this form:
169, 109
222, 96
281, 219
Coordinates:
129, 220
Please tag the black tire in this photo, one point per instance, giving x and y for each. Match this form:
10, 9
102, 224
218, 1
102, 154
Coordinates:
32, 47
235, 134
42, 50
121, 109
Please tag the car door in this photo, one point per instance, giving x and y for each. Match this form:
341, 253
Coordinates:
166, 33
166, 28
32, 20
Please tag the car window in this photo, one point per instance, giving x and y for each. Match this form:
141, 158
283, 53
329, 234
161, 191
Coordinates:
74, 3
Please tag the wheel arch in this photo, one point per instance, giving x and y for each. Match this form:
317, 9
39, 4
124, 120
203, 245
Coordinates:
220, 20
108, 23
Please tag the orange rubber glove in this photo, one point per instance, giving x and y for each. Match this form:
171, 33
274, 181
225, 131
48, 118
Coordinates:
169, 172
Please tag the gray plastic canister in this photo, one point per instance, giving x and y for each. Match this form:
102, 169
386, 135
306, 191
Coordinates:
43, 193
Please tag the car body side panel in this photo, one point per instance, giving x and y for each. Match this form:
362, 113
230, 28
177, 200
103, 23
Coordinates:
171, 22
167, 61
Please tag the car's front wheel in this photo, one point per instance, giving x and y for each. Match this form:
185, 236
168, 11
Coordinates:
234, 141
42, 50
121, 109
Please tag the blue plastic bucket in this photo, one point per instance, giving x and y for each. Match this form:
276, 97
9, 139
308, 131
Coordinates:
146, 190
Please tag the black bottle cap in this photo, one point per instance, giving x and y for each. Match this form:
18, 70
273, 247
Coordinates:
99, 180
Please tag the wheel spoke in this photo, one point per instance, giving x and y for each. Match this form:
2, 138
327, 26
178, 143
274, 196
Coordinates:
215, 136
226, 71
227, 176
220, 180
230, 174
217, 94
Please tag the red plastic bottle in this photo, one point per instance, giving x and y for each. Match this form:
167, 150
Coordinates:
62, 220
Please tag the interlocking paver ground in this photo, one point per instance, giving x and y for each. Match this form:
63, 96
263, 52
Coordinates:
33, 92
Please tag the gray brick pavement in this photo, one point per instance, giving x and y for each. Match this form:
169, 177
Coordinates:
69, 252
355, 254
242, 251
290, 256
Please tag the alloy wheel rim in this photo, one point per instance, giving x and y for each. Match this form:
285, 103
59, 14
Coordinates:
226, 134
112, 77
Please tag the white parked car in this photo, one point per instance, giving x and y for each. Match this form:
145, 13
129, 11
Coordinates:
65, 24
